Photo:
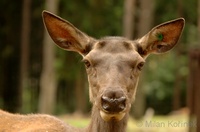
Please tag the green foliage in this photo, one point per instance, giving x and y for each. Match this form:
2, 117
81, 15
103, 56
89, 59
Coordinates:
96, 18
161, 76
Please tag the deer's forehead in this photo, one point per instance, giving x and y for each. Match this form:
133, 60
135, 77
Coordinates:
114, 49
115, 45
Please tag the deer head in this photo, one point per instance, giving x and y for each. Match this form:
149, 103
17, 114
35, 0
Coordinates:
113, 64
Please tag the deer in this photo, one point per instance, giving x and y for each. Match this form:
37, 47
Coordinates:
113, 65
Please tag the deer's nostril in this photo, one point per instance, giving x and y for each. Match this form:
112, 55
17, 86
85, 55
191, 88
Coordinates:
113, 105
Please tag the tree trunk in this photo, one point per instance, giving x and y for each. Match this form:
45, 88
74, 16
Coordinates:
128, 18
194, 88
177, 92
48, 82
177, 85
25, 41
146, 18
198, 75
198, 93
10, 34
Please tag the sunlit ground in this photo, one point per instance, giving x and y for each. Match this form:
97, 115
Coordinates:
171, 123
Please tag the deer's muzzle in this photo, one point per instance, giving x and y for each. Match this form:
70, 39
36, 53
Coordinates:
113, 104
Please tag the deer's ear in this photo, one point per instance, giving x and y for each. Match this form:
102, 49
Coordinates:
162, 38
65, 35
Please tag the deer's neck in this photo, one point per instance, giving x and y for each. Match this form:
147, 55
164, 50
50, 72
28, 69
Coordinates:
99, 125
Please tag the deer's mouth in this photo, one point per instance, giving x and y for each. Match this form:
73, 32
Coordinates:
112, 116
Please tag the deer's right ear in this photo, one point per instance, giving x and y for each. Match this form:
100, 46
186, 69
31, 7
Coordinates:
65, 35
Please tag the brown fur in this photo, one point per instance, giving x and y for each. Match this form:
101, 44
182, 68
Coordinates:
32, 123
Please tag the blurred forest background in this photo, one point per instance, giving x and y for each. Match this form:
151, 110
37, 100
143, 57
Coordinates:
36, 76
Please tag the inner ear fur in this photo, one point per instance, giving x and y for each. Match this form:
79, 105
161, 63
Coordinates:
66, 35
163, 37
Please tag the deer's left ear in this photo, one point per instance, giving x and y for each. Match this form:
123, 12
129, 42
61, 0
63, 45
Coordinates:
161, 38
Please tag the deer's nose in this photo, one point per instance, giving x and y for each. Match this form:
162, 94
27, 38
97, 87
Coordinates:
113, 101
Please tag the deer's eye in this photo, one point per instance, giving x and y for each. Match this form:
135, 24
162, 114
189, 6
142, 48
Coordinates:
87, 63
140, 65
